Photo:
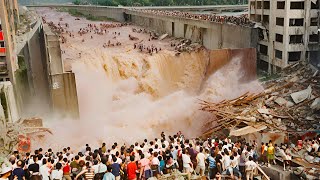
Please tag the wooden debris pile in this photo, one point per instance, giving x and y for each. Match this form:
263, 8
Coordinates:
289, 103
16, 135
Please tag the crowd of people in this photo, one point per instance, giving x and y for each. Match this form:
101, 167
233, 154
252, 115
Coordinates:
212, 158
117, 43
241, 20
101, 29
152, 35
144, 48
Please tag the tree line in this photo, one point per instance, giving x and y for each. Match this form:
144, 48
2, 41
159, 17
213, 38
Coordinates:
158, 2
34, 2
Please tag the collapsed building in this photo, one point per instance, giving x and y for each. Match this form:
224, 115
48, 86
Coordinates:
288, 110
288, 32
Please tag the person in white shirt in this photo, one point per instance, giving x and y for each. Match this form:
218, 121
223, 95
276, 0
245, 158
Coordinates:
113, 150
236, 159
166, 143
147, 154
70, 157
119, 160
155, 160
57, 174
137, 147
233, 169
136, 157
103, 166
197, 148
145, 145
187, 164
96, 166
40, 158
157, 141
286, 159
156, 148
250, 167
226, 161
200, 162
155, 165
175, 153
315, 146
44, 170
250, 152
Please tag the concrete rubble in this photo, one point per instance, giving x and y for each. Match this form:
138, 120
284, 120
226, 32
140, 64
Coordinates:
293, 103
185, 45
16, 135
316, 104
300, 96
289, 104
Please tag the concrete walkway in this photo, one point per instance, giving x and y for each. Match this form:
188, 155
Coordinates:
275, 172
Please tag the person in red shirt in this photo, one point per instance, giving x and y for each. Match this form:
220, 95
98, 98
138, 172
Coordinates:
132, 169
66, 169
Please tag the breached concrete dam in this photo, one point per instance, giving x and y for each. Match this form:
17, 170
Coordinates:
128, 92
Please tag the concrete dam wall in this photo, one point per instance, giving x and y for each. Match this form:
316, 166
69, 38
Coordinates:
212, 35
41, 82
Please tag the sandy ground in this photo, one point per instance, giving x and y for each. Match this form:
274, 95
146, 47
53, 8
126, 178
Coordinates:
74, 45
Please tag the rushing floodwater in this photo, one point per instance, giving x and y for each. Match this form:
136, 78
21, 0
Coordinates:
125, 96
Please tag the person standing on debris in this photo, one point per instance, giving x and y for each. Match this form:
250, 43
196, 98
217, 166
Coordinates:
270, 154
286, 159
263, 158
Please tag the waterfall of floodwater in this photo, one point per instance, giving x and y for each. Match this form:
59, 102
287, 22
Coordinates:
126, 100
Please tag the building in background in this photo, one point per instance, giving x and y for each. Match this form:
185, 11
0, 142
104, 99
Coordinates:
9, 20
288, 32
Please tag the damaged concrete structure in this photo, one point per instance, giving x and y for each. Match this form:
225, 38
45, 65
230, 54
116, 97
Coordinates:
62, 85
48, 88
29, 62
288, 32
211, 35
9, 20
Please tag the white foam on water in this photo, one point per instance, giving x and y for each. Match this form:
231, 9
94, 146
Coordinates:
117, 112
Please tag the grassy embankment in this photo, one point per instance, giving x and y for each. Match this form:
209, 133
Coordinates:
76, 13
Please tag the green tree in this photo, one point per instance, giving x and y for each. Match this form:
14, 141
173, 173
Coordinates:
76, 2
